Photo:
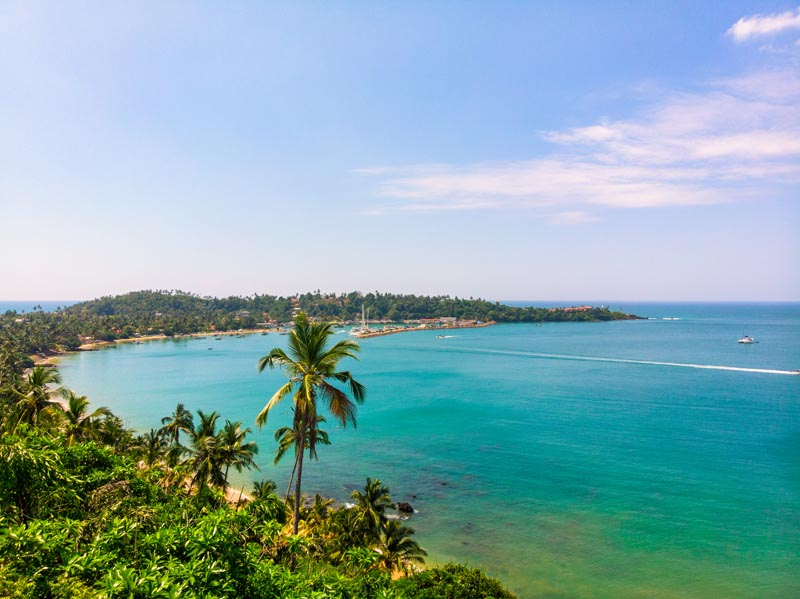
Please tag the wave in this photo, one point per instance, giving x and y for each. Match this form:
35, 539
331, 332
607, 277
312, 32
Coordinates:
547, 356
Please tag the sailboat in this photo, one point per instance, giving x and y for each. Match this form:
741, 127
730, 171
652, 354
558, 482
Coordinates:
363, 329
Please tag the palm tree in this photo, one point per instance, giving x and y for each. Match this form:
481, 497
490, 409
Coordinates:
150, 447
206, 454
81, 424
371, 506
311, 366
288, 437
35, 395
397, 548
235, 451
180, 420
112, 432
263, 488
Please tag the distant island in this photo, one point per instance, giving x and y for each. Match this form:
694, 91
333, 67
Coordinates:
169, 313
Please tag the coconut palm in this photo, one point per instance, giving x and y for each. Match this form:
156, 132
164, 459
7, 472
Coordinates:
150, 448
263, 488
235, 451
311, 365
206, 456
112, 431
371, 506
180, 420
288, 437
81, 425
397, 548
34, 397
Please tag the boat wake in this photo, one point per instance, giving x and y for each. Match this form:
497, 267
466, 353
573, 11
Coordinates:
546, 356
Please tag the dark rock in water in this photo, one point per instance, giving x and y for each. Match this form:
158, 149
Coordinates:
404, 507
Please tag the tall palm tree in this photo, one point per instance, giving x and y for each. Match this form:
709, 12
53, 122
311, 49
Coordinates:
81, 425
311, 365
180, 420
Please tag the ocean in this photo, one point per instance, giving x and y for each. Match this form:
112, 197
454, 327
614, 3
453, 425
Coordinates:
28, 306
568, 459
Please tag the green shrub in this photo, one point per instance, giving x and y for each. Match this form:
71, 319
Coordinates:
453, 581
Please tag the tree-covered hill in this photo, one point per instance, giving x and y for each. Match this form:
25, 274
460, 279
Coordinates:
179, 312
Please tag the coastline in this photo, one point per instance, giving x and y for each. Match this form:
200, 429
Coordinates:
52, 358
382, 332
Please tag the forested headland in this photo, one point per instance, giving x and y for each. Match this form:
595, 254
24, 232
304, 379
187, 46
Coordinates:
143, 313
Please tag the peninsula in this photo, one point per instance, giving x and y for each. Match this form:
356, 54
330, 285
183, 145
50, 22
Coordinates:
148, 314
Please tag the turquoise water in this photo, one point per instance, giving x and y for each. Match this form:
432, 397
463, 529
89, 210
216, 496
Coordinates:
563, 475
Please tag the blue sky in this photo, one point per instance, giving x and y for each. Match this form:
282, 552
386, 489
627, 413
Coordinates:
507, 150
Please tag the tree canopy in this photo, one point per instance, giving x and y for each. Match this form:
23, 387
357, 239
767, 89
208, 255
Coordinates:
177, 312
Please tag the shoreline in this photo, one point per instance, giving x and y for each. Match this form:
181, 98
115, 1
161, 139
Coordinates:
52, 358
381, 333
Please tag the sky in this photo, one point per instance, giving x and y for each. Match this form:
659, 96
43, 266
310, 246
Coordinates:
637, 151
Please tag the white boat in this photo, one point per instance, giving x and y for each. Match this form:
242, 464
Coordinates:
363, 329
747, 339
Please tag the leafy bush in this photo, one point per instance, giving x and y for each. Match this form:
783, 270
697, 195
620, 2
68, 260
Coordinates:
453, 581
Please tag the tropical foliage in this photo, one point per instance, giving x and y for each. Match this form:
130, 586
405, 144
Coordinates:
90, 509
311, 365
82, 520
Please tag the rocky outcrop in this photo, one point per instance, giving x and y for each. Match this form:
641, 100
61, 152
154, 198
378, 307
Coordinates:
404, 507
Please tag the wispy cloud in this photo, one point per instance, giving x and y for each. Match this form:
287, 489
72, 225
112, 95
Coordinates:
730, 139
760, 25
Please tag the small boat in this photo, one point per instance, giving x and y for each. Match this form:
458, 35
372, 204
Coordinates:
363, 329
747, 339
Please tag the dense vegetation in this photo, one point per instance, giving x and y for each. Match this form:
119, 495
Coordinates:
177, 312
91, 509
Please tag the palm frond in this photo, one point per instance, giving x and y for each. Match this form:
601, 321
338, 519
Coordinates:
280, 394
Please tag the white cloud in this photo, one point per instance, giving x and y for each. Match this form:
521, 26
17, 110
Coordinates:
734, 138
758, 25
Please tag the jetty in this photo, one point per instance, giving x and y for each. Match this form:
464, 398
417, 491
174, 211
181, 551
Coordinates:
431, 325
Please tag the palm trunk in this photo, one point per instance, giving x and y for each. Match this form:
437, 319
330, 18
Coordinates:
291, 478
299, 476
